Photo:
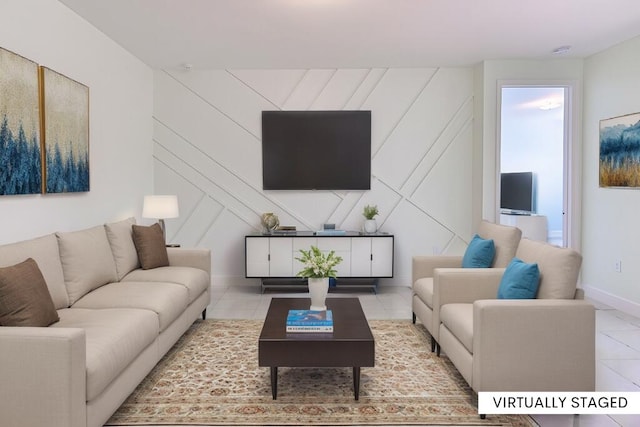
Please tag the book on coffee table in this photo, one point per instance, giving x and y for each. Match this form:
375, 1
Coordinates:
309, 321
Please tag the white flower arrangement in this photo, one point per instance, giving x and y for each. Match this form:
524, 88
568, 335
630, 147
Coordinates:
317, 264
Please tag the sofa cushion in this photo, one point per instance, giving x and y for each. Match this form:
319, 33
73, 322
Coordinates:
120, 235
424, 289
114, 338
519, 281
150, 245
505, 238
458, 319
87, 261
196, 281
166, 300
44, 250
559, 268
479, 253
24, 297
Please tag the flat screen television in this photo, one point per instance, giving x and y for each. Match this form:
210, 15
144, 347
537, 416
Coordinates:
518, 193
316, 150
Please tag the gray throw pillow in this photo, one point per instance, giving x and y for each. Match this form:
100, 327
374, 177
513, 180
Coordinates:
150, 245
24, 297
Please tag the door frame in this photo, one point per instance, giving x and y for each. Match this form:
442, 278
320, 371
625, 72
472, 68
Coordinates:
572, 152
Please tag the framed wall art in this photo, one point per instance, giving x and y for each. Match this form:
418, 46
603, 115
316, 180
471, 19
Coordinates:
65, 124
20, 151
620, 151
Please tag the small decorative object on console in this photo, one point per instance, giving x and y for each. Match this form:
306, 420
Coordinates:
269, 221
370, 212
327, 232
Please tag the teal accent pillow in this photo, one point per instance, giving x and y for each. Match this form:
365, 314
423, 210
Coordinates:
520, 281
479, 253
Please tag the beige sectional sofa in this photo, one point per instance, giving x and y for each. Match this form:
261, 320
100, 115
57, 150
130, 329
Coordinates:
425, 303
541, 344
115, 323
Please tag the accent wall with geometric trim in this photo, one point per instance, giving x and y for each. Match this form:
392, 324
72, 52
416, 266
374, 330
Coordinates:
207, 150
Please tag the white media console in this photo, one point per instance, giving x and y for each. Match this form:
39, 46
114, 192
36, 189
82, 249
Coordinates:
365, 257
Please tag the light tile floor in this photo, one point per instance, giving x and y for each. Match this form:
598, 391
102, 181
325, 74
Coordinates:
617, 339
247, 301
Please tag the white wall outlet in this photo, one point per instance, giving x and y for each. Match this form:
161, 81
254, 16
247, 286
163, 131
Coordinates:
618, 266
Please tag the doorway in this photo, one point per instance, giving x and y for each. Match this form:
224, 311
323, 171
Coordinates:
534, 129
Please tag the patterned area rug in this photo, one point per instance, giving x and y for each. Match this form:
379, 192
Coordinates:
211, 377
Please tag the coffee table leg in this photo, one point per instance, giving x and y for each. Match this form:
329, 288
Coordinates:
356, 382
274, 382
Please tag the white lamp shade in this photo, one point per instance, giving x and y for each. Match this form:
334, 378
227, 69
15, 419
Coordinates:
160, 207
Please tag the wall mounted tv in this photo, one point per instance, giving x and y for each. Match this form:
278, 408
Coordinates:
316, 150
518, 193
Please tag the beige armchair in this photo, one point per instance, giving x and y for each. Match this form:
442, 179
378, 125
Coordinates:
542, 344
424, 303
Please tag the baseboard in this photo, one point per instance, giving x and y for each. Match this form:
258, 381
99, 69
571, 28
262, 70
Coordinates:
226, 281
612, 300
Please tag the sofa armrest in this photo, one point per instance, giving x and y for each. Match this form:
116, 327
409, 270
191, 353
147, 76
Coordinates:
43, 377
465, 285
533, 345
423, 265
191, 257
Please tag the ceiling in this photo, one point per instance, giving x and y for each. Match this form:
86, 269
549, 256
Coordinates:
357, 33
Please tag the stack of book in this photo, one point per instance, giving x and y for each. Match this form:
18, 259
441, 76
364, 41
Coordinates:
285, 229
310, 321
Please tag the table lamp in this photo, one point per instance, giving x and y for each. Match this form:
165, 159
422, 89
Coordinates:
160, 208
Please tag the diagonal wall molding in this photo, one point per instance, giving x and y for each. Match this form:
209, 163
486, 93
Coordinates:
426, 84
207, 150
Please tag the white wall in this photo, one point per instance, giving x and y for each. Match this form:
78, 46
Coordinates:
490, 74
207, 134
120, 137
611, 229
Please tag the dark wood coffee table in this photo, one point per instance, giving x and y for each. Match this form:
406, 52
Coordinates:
350, 344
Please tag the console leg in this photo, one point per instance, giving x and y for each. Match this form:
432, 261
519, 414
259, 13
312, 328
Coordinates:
438, 349
204, 314
413, 318
433, 345
483, 416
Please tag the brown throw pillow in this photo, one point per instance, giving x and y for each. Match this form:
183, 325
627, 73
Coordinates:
24, 297
149, 241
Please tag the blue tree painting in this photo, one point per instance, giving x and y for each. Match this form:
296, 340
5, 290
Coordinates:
620, 151
20, 159
66, 133
20, 154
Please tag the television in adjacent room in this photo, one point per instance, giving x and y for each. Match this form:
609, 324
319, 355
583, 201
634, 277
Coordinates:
316, 150
518, 193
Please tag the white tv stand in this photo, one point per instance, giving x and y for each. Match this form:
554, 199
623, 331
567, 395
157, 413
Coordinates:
365, 258
533, 226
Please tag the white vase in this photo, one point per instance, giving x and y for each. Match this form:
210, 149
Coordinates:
318, 289
370, 226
